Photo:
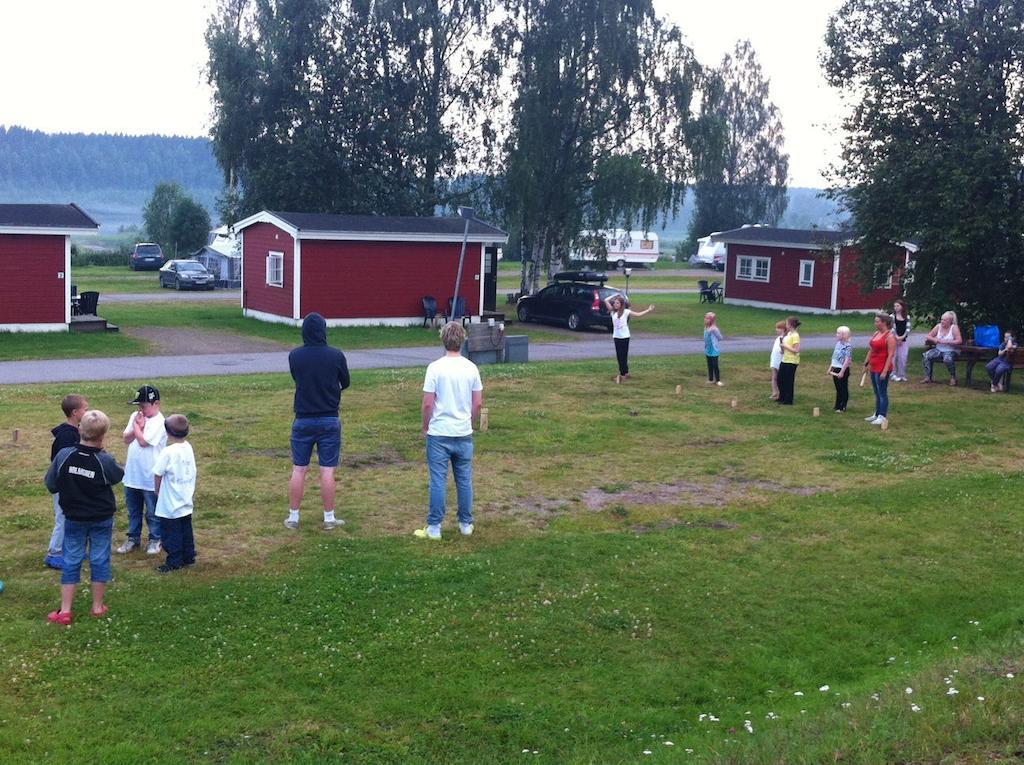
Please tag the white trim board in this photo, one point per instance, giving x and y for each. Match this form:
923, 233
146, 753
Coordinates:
296, 278
364, 236
390, 321
33, 327
794, 308
43, 231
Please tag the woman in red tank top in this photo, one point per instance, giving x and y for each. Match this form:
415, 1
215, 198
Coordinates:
881, 355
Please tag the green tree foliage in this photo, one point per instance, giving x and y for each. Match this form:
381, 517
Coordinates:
348, 105
741, 167
599, 127
175, 221
934, 146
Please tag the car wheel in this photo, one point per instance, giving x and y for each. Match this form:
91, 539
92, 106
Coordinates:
177, 284
574, 322
523, 313
620, 263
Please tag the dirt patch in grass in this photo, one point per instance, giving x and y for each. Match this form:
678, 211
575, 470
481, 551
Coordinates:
723, 491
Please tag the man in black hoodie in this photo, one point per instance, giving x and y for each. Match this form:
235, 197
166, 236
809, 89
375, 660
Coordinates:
321, 374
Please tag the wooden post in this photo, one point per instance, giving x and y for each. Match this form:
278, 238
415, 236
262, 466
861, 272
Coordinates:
17, 434
734, 403
885, 424
618, 379
679, 390
483, 418
816, 412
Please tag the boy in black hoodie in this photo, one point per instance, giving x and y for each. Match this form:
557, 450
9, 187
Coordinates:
84, 475
321, 374
64, 435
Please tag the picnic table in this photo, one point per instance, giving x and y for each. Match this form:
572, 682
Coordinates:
973, 354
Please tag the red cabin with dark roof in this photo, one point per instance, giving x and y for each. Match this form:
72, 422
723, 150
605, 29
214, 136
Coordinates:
805, 270
362, 269
35, 265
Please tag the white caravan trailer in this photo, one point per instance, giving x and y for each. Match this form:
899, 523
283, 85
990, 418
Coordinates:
624, 248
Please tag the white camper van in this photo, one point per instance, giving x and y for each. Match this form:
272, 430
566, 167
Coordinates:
710, 254
624, 248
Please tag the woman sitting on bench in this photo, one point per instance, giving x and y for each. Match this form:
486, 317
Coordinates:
946, 339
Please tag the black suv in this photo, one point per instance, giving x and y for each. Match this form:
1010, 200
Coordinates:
147, 256
575, 298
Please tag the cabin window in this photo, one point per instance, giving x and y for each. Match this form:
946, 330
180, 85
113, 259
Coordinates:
883, 277
806, 273
647, 244
753, 269
275, 269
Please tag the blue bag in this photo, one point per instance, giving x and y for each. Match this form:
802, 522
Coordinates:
986, 336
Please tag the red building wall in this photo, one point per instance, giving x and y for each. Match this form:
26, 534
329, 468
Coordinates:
351, 279
30, 291
783, 285
258, 240
851, 298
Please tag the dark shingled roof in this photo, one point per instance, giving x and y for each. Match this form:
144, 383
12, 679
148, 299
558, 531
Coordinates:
388, 224
59, 217
792, 236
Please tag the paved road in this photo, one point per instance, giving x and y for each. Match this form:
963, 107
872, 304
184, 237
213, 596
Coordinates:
152, 367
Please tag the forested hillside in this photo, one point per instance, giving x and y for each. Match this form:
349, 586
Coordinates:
110, 176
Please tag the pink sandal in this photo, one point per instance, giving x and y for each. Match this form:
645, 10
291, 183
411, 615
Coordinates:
60, 617
101, 612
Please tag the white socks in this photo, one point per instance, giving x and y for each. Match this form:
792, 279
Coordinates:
328, 516
293, 515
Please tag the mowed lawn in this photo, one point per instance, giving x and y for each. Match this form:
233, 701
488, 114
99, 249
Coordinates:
654, 578
675, 315
114, 279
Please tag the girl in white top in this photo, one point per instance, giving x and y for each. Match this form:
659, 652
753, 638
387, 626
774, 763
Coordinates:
776, 358
620, 329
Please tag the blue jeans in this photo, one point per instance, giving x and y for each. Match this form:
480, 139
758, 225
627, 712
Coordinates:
57, 537
881, 387
324, 433
94, 535
134, 499
459, 452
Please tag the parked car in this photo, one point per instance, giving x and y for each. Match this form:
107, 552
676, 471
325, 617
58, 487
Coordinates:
146, 256
186, 275
574, 298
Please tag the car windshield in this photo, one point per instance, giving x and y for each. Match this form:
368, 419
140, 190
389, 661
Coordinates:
148, 249
191, 266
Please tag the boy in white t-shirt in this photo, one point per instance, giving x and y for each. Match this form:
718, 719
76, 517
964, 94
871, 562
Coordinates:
146, 438
452, 397
175, 480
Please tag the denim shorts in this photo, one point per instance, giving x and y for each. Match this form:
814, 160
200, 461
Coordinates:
96, 535
324, 433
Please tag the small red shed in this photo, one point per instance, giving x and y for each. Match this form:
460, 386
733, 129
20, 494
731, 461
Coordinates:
362, 269
35, 265
805, 269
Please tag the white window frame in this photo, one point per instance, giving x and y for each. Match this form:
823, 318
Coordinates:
275, 263
753, 262
801, 280
883, 284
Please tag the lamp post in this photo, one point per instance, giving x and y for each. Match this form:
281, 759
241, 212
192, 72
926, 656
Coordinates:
627, 272
467, 213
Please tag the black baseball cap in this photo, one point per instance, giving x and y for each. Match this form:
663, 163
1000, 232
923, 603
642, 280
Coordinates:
147, 395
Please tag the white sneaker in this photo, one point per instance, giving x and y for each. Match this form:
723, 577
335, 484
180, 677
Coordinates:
154, 547
466, 529
127, 547
879, 421
333, 524
871, 419
430, 532
290, 524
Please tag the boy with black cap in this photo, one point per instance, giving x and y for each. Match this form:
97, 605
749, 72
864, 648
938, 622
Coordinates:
175, 481
146, 438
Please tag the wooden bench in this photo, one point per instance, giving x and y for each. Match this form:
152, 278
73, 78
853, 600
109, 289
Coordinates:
973, 354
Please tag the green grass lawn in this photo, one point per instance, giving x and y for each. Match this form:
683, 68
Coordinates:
114, 279
638, 280
648, 568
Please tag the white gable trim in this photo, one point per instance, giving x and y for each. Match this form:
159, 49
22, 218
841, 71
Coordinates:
266, 217
364, 236
44, 231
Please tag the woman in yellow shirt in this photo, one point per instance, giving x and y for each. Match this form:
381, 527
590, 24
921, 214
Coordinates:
790, 360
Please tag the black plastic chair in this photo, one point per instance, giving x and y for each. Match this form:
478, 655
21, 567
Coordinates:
717, 293
706, 295
87, 303
429, 310
457, 310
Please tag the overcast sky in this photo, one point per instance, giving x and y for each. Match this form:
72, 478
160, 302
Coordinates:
135, 66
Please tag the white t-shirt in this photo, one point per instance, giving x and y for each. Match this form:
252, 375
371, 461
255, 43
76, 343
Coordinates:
620, 324
177, 467
452, 380
776, 358
138, 466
